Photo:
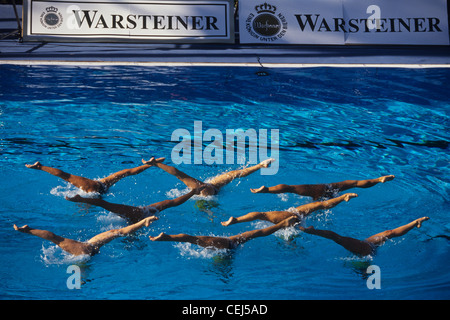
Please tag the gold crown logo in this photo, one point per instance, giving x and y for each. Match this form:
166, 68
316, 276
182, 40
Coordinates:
265, 7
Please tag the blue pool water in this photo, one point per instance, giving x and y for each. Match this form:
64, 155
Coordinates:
334, 124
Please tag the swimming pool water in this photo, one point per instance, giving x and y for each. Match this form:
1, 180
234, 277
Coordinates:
334, 124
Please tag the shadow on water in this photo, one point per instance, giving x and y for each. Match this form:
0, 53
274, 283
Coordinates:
222, 265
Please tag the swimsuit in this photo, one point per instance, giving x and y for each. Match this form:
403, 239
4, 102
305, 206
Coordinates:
330, 192
372, 246
102, 187
216, 190
232, 245
149, 211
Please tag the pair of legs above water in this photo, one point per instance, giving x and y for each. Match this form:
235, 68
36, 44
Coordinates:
317, 191
301, 211
132, 213
212, 187
226, 242
367, 246
89, 185
91, 246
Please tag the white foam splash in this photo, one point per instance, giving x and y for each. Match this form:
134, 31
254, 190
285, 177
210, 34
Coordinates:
54, 255
175, 193
292, 210
111, 221
283, 196
70, 191
283, 234
192, 251
356, 258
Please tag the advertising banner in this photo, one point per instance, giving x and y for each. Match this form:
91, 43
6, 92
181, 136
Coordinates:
288, 22
405, 22
402, 22
101, 20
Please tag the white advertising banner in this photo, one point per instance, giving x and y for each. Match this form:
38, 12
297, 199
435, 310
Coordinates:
288, 21
405, 22
114, 20
396, 22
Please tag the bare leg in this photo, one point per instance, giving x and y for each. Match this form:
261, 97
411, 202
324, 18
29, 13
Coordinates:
353, 245
317, 191
381, 237
165, 204
348, 184
105, 237
71, 246
227, 177
271, 216
133, 213
84, 184
222, 242
127, 212
203, 241
278, 216
91, 246
189, 181
249, 235
308, 190
115, 177
364, 248
309, 208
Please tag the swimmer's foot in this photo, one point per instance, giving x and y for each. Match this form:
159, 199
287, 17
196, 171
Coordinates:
161, 237
24, 229
229, 222
149, 220
420, 220
153, 161
262, 189
383, 179
37, 165
266, 163
288, 222
349, 196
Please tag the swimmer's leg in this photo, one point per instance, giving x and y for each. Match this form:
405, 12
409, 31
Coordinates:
68, 245
249, 235
84, 184
353, 245
105, 237
271, 216
190, 182
127, 212
227, 177
309, 208
115, 177
348, 184
278, 216
308, 190
317, 191
381, 237
165, 204
203, 241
